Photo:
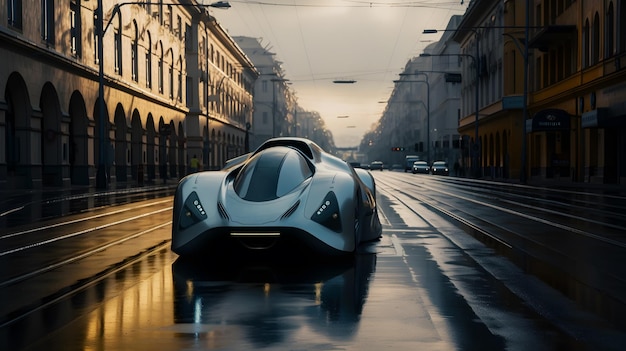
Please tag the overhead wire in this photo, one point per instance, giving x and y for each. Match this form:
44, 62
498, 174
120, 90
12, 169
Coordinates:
354, 3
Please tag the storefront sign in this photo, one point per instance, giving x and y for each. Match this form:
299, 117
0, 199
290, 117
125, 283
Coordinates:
595, 118
550, 120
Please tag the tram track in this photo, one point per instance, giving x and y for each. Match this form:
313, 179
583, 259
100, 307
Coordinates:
58, 258
547, 243
20, 209
536, 218
560, 214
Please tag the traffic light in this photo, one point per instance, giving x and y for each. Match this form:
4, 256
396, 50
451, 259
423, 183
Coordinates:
397, 148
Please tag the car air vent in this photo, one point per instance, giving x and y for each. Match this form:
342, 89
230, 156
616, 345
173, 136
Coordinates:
222, 211
291, 210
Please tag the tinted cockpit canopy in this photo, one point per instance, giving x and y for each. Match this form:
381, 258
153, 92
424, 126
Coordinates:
272, 173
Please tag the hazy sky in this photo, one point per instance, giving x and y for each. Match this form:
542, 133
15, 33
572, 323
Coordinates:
319, 41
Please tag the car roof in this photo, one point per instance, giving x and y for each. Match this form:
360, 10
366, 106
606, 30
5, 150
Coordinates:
307, 147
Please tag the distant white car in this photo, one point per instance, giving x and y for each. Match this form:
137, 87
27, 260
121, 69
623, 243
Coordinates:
440, 167
420, 167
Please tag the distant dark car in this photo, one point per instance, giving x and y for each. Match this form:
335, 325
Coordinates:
408, 162
376, 165
440, 167
420, 167
396, 166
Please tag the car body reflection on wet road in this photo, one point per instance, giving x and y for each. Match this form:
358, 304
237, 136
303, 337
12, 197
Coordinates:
269, 302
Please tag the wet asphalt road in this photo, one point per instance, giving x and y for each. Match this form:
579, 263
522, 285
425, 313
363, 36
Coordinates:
419, 288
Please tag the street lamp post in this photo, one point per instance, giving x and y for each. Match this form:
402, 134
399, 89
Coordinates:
476, 149
101, 179
525, 93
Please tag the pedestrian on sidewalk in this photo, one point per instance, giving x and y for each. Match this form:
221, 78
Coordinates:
195, 164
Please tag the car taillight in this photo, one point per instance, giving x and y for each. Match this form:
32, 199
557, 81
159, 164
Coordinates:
327, 213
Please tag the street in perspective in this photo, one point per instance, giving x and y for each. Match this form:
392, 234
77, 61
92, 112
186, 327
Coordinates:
313, 175
460, 265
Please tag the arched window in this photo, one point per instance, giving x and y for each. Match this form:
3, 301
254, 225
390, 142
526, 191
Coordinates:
149, 62
595, 41
47, 21
160, 67
75, 28
14, 11
609, 32
621, 33
170, 71
117, 45
134, 54
586, 52
180, 79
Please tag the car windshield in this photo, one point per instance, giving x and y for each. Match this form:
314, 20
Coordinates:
440, 164
271, 174
419, 163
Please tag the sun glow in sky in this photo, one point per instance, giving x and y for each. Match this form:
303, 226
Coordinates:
319, 41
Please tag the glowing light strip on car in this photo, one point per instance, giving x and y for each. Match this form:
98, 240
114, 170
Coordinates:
243, 234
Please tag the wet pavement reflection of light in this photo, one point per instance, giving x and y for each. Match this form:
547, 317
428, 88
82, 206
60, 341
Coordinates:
413, 290
213, 306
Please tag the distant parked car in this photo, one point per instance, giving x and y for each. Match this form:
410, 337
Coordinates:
376, 165
440, 167
420, 167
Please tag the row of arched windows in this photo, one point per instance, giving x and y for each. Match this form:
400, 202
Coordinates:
610, 41
169, 72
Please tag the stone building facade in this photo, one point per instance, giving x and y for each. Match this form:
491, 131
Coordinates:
162, 64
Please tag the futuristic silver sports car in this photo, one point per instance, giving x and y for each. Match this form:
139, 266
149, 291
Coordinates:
287, 195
